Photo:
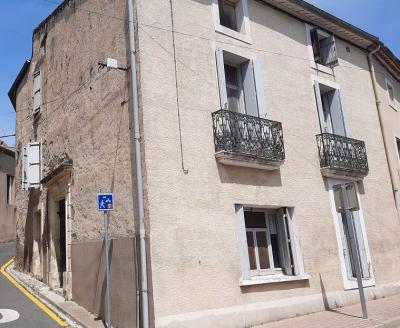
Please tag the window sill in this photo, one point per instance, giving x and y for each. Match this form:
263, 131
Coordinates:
233, 34
322, 68
272, 279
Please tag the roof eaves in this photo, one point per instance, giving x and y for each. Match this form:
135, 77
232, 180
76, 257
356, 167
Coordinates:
12, 93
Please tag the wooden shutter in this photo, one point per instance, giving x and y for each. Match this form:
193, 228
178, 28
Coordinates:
361, 245
24, 169
249, 88
33, 164
37, 99
223, 98
284, 242
259, 87
328, 51
336, 112
322, 123
315, 45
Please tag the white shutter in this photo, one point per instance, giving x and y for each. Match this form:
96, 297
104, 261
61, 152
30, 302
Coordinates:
320, 109
33, 165
337, 114
223, 98
24, 169
249, 88
328, 51
259, 86
37, 97
284, 242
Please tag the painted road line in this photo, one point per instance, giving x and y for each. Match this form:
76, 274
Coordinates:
33, 298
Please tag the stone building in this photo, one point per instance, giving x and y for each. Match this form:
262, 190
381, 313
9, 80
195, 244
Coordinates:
252, 114
7, 193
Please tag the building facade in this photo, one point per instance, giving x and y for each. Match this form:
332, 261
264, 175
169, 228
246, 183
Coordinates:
7, 195
252, 115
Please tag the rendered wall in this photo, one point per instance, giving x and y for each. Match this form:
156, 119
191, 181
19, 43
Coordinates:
7, 217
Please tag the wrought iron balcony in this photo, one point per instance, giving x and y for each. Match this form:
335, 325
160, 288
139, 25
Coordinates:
342, 157
245, 140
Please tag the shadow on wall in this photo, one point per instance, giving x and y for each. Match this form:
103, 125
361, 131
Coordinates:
28, 232
249, 176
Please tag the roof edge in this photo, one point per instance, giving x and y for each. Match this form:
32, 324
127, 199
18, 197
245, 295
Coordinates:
12, 93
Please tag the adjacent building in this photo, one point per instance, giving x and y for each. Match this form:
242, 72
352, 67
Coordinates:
252, 115
7, 194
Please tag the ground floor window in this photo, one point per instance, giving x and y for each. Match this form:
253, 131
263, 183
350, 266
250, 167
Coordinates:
268, 246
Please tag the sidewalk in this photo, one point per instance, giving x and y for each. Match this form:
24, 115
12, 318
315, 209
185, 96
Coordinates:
75, 315
382, 313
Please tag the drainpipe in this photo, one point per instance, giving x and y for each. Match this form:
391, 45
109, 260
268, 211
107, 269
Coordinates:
144, 306
393, 180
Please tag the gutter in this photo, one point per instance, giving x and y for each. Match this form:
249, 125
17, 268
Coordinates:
394, 182
136, 141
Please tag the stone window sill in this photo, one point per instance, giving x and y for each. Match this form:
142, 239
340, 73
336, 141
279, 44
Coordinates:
272, 279
233, 34
322, 68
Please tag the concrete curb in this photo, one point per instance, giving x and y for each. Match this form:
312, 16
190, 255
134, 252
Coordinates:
71, 320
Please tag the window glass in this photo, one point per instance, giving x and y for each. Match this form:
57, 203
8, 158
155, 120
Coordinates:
391, 93
255, 220
227, 14
251, 250
398, 146
233, 88
262, 246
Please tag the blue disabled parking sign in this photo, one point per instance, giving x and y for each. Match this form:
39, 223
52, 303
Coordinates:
105, 202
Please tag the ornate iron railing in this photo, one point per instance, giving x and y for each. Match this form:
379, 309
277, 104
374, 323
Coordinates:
340, 152
248, 135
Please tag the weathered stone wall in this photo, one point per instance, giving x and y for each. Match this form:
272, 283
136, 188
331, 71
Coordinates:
84, 120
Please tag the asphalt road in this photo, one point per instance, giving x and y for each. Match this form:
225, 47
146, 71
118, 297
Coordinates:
30, 315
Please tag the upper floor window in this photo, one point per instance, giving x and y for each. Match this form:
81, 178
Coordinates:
231, 18
398, 146
323, 47
390, 91
240, 84
9, 191
37, 97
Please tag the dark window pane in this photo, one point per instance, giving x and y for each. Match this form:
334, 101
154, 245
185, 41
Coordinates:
255, 220
251, 250
231, 76
275, 251
263, 250
227, 14
347, 236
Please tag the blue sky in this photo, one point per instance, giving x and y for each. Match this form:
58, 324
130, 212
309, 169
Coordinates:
19, 17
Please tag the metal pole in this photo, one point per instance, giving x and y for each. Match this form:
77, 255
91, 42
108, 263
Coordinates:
107, 266
144, 304
354, 249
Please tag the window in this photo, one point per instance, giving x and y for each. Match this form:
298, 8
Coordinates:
240, 84
37, 98
231, 18
9, 191
323, 48
329, 108
31, 166
227, 13
390, 91
398, 146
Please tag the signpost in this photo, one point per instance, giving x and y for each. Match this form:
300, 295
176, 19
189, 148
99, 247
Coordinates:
105, 203
346, 201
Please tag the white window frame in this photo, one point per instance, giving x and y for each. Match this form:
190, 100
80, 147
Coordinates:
313, 64
392, 103
349, 283
244, 33
250, 277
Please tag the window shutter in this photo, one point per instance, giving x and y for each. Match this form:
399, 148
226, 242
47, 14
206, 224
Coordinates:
284, 242
36, 92
315, 45
24, 169
249, 88
336, 112
320, 109
328, 51
259, 86
361, 245
223, 98
345, 244
33, 165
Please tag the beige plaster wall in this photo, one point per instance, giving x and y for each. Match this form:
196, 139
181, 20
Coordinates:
194, 244
7, 217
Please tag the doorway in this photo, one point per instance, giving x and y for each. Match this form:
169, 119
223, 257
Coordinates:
62, 241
